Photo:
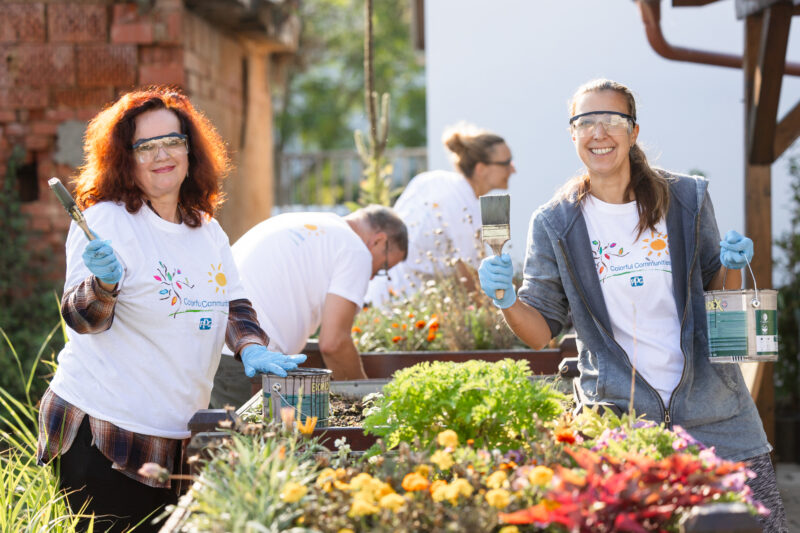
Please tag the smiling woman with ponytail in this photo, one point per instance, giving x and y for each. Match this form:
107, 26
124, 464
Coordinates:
627, 250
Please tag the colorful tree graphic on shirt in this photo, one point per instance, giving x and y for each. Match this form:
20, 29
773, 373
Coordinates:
174, 286
604, 254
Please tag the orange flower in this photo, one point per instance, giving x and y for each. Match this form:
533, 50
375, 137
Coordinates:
470, 442
356, 329
431, 336
410, 315
376, 320
404, 327
396, 339
420, 324
395, 325
565, 435
414, 482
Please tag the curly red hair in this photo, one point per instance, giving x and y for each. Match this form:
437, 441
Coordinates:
109, 172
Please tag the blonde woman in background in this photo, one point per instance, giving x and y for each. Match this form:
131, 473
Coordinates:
442, 211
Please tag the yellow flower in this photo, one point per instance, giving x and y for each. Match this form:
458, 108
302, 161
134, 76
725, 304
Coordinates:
361, 506
448, 439
325, 479
442, 459
498, 498
540, 475
360, 481
293, 491
423, 470
413, 482
496, 480
379, 489
307, 428
463, 487
504, 529
439, 490
392, 501
341, 485
348, 530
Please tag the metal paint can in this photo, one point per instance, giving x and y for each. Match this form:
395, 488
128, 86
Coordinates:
742, 325
306, 390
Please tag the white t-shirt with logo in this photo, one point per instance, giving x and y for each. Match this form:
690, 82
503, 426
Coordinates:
154, 367
289, 263
443, 217
636, 280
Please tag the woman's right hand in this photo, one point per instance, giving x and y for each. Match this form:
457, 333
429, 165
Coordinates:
100, 259
497, 272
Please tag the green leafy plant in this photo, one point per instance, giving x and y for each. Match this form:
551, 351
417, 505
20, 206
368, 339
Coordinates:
493, 404
26, 289
787, 368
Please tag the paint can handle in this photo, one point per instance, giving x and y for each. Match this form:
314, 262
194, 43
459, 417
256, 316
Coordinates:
755, 302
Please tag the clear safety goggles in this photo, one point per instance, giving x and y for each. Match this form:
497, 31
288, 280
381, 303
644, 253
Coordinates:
174, 144
613, 122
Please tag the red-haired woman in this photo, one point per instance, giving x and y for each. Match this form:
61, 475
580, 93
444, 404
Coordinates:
147, 318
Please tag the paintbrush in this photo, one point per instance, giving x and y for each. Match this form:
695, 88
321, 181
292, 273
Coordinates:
69, 204
495, 230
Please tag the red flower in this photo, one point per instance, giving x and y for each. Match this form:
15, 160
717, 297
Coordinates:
396, 339
420, 324
565, 435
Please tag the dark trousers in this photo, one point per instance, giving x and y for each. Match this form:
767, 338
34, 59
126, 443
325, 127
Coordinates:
117, 501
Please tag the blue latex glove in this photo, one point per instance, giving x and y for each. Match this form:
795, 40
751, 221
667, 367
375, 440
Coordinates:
496, 272
257, 358
736, 250
100, 259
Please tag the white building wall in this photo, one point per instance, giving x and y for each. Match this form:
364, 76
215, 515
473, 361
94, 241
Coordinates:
512, 65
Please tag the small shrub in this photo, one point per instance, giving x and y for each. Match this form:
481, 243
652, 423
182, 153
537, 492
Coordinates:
493, 404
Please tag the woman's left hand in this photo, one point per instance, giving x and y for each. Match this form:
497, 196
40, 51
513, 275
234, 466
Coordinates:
736, 250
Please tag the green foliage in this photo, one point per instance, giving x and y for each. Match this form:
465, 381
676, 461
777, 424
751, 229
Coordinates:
445, 315
787, 368
30, 499
322, 98
26, 292
492, 403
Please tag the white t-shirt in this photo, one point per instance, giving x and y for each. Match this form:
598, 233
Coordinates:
443, 217
154, 367
636, 280
289, 263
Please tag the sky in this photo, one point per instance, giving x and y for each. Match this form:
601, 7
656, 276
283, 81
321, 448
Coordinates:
511, 66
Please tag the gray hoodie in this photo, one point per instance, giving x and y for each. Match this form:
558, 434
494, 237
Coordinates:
711, 401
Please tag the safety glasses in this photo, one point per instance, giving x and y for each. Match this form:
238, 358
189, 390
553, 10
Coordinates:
613, 122
174, 144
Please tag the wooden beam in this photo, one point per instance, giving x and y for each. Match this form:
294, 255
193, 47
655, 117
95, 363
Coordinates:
787, 131
767, 83
691, 3
758, 219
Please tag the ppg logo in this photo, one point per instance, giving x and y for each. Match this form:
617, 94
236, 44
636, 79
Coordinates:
205, 323
637, 281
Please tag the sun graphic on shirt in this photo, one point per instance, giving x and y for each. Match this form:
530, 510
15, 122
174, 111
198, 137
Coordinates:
657, 244
217, 276
313, 228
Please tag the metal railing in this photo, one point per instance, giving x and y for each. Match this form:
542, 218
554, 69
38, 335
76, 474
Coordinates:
332, 177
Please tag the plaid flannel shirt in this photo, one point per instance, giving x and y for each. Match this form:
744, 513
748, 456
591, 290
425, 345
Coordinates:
88, 308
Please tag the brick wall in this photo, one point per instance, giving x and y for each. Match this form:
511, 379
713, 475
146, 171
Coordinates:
61, 62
